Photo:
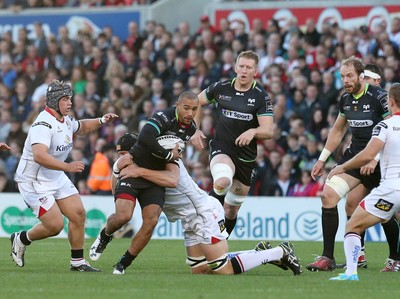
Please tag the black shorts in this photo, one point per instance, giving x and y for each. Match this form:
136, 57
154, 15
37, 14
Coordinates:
245, 171
369, 181
146, 194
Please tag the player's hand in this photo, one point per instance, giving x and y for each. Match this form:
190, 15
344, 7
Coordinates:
317, 169
4, 146
109, 117
335, 171
130, 171
369, 168
124, 161
76, 166
176, 153
245, 138
197, 140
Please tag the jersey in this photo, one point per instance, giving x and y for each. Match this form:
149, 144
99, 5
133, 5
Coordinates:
363, 114
202, 216
237, 112
389, 132
166, 123
57, 136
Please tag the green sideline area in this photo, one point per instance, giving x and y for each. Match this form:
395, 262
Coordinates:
160, 272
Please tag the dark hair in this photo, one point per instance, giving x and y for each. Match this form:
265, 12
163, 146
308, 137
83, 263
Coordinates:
126, 141
373, 68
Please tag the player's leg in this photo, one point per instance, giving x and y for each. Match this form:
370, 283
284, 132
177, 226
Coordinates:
151, 200
359, 222
222, 170
196, 259
335, 189
353, 199
233, 201
72, 207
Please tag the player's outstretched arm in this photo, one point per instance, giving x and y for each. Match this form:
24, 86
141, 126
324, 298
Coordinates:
89, 125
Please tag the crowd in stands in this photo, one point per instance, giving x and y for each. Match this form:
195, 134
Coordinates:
146, 71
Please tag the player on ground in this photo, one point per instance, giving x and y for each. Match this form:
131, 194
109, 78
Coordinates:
373, 75
202, 219
147, 153
361, 107
245, 115
384, 200
44, 186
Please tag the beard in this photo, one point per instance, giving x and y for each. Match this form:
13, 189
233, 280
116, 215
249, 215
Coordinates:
356, 88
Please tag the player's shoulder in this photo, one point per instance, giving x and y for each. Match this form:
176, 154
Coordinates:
376, 91
43, 120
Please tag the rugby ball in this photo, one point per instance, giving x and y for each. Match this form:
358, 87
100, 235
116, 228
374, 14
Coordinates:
169, 141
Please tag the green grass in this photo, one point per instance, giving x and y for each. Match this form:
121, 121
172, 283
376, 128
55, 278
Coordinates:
160, 272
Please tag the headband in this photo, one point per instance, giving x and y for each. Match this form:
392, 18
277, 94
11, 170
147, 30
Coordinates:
372, 75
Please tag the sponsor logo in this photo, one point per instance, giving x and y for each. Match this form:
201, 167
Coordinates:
366, 108
63, 148
221, 224
396, 128
95, 220
354, 253
346, 108
377, 130
240, 94
59, 130
224, 98
237, 115
43, 200
250, 102
360, 123
41, 123
13, 220
126, 184
383, 205
307, 225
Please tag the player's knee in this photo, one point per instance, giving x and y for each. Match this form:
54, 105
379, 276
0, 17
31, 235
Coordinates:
219, 263
338, 190
55, 227
234, 199
222, 175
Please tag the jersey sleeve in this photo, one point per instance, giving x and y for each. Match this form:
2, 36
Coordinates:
341, 104
380, 131
75, 124
383, 108
159, 121
212, 92
266, 108
40, 132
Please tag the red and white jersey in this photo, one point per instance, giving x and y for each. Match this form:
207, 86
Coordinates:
186, 200
57, 136
388, 131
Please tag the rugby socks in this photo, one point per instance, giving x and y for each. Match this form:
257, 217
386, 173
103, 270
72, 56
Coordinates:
391, 229
221, 198
77, 257
330, 224
230, 224
104, 236
127, 259
362, 235
24, 238
250, 259
352, 247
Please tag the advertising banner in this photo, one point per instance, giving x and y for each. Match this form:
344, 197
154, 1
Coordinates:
348, 16
260, 218
74, 20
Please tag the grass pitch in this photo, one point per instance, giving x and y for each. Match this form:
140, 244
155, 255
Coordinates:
160, 272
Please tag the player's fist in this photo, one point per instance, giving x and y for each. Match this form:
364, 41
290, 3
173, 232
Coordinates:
76, 166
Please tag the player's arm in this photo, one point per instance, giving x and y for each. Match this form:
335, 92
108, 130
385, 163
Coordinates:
90, 125
4, 146
265, 130
335, 137
41, 156
374, 146
166, 178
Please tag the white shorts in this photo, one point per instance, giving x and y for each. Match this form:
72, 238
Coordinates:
382, 202
208, 227
41, 197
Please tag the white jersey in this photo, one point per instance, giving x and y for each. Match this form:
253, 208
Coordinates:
388, 131
186, 200
57, 136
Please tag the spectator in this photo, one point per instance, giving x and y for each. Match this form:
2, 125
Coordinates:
305, 187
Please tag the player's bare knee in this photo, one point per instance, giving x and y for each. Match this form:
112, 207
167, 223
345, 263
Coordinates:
54, 227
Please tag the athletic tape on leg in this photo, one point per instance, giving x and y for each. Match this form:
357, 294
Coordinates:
339, 185
218, 263
196, 261
234, 199
221, 170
